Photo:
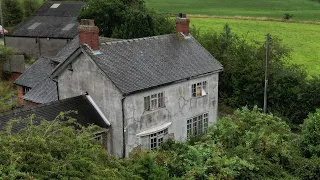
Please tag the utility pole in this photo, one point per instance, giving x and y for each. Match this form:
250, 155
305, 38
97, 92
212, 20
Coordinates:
266, 74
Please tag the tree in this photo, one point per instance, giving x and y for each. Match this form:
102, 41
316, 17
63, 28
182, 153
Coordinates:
12, 12
290, 90
56, 149
126, 19
5, 53
30, 6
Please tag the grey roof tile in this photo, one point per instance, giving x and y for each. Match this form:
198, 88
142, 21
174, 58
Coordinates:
44, 92
39, 71
137, 64
87, 114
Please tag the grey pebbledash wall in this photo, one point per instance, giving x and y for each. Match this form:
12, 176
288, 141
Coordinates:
36, 47
179, 106
87, 77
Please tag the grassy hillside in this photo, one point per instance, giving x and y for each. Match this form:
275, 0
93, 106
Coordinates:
308, 10
302, 38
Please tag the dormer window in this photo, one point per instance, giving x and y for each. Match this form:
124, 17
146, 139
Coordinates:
199, 89
154, 101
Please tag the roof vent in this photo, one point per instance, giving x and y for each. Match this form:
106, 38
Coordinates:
55, 5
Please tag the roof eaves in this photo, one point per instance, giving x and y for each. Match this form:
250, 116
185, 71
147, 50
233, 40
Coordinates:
173, 82
62, 66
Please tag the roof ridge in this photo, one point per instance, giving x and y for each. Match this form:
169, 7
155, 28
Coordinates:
137, 39
40, 106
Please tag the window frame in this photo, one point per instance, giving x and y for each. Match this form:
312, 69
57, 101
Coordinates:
154, 101
157, 138
199, 89
25, 90
197, 125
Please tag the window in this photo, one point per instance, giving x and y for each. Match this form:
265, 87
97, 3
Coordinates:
157, 138
98, 138
199, 89
26, 90
197, 125
154, 101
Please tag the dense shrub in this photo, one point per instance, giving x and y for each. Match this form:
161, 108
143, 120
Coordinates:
310, 135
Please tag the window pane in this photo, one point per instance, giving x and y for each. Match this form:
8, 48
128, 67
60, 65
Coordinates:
193, 90
198, 91
160, 100
147, 103
154, 103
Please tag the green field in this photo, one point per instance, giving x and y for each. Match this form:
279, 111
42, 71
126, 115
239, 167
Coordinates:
304, 39
307, 10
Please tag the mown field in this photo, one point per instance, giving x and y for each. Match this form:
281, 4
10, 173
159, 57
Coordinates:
304, 39
307, 10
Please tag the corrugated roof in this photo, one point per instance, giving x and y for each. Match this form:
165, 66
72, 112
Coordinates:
138, 64
87, 114
65, 9
51, 22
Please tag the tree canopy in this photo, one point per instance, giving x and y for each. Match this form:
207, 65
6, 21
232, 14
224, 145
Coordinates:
126, 19
246, 145
291, 93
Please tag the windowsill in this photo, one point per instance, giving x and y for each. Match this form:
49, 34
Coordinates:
154, 110
199, 96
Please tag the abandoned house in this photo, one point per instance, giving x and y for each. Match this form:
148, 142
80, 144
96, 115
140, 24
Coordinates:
48, 30
149, 89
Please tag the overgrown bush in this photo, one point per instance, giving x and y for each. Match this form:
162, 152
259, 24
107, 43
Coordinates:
310, 135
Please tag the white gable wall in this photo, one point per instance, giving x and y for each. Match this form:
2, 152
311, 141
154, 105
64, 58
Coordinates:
87, 77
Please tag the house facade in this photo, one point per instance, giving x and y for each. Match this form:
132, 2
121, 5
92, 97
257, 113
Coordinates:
150, 89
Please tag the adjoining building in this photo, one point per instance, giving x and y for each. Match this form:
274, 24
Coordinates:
48, 30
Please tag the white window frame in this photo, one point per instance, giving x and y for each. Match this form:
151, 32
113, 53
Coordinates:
197, 125
156, 139
154, 101
199, 89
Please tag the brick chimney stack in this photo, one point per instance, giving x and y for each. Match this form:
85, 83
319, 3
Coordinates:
89, 34
182, 24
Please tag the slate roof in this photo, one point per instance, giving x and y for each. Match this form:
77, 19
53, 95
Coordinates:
138, 64
87, 114
66, 51
52, 21
44, 92
40, 70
